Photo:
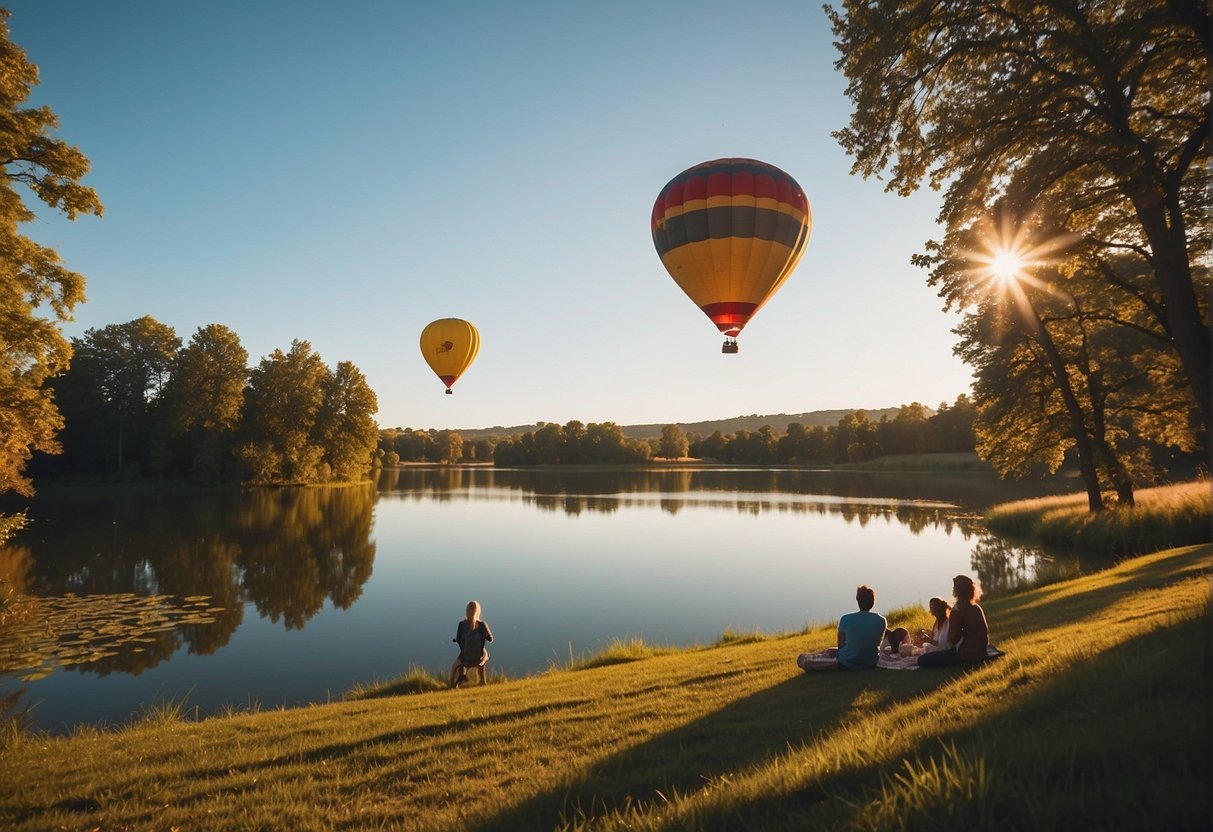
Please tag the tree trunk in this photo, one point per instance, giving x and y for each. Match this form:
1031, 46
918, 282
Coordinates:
1078, 429
1122, 481
1188, 332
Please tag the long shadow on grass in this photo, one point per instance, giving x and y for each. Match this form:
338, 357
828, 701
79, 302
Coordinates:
1048, 606
760, 727
711, 749
1067, 756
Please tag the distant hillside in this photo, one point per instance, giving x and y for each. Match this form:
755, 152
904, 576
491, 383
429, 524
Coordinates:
778, 422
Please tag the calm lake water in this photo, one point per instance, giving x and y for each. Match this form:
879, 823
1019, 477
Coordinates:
314, 590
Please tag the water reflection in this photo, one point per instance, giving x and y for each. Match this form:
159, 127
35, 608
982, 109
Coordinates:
746, 549
577, 489
949, 502
286, 551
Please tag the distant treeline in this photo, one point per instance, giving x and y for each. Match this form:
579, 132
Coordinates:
136, 403
856, 438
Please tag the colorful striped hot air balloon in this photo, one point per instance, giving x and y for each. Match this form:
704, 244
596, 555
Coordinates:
730, 232
449, 346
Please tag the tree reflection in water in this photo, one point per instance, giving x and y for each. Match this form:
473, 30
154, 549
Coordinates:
289, 551
285, 550
950, 502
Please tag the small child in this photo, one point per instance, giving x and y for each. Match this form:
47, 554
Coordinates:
470, 635
937, 639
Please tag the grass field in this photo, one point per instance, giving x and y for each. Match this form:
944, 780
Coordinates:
1171, 515
1098, 717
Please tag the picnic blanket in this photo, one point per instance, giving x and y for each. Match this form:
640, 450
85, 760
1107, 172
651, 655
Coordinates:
887, 660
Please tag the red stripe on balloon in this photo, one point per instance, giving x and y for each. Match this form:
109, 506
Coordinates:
729, 316
448, 380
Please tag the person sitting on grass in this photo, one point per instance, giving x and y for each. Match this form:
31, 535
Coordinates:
471, 635
968, 632
937, 639
860, 633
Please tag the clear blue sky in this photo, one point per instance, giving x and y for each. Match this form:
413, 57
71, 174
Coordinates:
344, 173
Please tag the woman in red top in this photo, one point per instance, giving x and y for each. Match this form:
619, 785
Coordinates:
968, 631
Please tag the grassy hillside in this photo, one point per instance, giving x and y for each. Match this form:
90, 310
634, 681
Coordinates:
1097, 718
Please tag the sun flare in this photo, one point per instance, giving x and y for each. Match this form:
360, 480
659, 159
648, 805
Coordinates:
1007, 258
1006, 265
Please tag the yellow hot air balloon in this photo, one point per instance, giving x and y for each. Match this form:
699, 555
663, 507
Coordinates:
449, 346
730, 232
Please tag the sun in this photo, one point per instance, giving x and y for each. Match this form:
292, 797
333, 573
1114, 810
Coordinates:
1007, 265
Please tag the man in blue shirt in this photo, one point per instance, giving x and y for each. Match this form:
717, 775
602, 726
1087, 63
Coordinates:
860, 633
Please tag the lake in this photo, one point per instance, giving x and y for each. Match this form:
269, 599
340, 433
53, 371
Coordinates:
272, 597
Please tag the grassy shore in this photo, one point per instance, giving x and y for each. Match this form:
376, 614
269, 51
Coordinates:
1097, 717
1170, 515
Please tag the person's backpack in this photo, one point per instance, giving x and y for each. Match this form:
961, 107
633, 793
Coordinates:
472, 649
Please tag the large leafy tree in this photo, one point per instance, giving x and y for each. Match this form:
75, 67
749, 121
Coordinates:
1100, 110
1092, 371
112, 394
303, 423
345, 426
285, 393
204, 398
673, 444
37, 293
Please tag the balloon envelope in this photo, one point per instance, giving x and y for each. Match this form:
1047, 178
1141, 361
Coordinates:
730, 232
449, 346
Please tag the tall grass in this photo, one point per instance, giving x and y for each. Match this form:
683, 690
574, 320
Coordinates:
617, 651
414, 680
1167, 516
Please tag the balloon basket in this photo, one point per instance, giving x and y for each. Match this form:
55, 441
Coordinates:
449, 391
729, 347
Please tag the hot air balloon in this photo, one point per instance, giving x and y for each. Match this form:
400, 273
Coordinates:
730, 232
449, 346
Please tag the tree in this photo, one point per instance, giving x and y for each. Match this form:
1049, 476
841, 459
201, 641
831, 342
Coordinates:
205, 395
1092, 370
37, 294
673, 443
549, 442
710, 447
952, 426
345, 428
907, 432
856, 438
112, 391
285, 394
445, 446
1101, 109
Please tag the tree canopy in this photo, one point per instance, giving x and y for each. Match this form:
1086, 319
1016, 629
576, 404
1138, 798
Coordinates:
37, 293
1095, 113
1072, 137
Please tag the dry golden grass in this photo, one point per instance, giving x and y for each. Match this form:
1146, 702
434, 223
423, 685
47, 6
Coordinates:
1097, 717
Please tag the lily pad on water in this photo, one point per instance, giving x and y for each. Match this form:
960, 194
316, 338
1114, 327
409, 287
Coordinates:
71, 630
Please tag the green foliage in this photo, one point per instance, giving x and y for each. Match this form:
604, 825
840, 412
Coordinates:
856, 438
113, 396
137, 403
574, 444
305, 424
1052, 119
37, 294
345, 427
1127, 382
673, 443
